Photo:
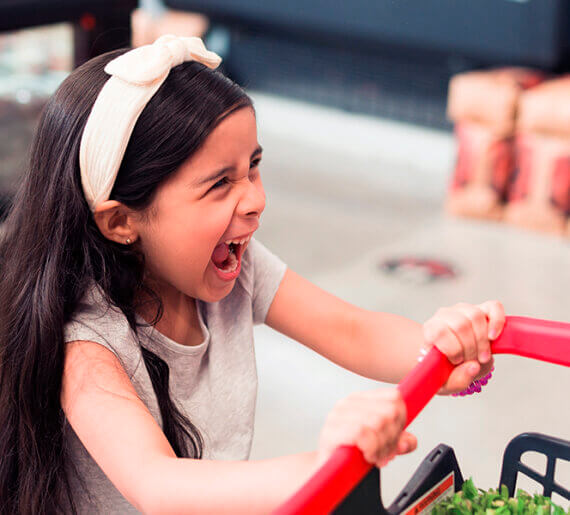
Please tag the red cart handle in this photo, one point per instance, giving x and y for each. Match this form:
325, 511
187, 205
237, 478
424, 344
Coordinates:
532, 338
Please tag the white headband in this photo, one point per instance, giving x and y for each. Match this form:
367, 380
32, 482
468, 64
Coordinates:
135, 78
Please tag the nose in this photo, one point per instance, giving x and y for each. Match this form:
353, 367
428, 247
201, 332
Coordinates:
252, 201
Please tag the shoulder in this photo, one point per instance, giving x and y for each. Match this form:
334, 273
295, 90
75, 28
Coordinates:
94, 311
96, 320
95, 305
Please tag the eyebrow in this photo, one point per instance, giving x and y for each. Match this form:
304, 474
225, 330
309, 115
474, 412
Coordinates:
219, 174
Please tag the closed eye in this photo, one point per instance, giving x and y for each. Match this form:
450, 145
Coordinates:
226, 180
222, 182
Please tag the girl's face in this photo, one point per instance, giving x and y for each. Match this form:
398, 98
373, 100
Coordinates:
214, 198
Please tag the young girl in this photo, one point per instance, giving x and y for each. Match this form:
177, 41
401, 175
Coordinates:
130, 285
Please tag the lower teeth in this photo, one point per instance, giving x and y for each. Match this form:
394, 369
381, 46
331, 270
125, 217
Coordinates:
232, 264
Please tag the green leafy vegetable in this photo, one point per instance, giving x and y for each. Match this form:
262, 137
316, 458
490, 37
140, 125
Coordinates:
494, 502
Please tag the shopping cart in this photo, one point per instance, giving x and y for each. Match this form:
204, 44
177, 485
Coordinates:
439, 476
347, 484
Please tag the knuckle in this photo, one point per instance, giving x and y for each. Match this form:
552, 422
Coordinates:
394, 413
438, 331
460, 323
391, 417
380, 421
478, 315
376, 421
362, 432
455, 353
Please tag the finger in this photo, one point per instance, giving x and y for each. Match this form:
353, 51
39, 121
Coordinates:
479, 324
496, 314
381, 463
385, 422
378, 412
371, 447
350, 432
486, 368
462, 376
438, 332
407, 443
462, 327
381, 446
388, 419
393, 400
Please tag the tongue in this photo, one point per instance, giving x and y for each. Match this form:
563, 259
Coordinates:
220, 254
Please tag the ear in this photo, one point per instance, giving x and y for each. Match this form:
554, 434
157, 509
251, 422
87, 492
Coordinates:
115, 221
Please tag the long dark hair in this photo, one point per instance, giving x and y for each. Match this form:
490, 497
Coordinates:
51, 251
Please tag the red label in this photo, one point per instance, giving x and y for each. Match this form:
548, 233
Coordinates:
443, 489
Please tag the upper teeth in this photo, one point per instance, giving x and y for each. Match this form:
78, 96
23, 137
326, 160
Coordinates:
238, 242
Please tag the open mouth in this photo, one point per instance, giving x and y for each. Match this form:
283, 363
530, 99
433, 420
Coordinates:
227, 255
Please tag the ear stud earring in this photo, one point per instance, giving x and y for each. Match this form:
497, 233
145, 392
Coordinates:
128, 241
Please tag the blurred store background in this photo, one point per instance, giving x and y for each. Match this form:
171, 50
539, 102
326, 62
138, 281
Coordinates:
416, 154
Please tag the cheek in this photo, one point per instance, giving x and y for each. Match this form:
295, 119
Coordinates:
210, 227
185, 241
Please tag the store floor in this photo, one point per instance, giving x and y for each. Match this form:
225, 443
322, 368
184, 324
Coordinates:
344, 194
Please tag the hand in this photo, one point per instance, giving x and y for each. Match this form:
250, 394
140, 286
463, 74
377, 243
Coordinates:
463, 333
373, 421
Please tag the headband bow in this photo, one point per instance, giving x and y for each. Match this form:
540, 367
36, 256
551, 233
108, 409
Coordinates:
135, 78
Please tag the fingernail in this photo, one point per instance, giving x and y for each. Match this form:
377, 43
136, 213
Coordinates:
473, 369
484, 356
493, 333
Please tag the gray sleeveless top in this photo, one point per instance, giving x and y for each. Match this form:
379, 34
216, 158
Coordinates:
215, 383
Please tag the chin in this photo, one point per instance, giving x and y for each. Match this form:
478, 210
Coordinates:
219, 294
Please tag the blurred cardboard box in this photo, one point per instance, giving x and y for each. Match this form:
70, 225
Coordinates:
483, 168
546, 108
484, 107
490, 97
539, 197
540, 194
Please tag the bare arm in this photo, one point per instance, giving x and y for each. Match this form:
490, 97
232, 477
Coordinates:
126, 442
380, 346
383, 346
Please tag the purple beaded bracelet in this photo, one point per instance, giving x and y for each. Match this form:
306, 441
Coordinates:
475, 386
